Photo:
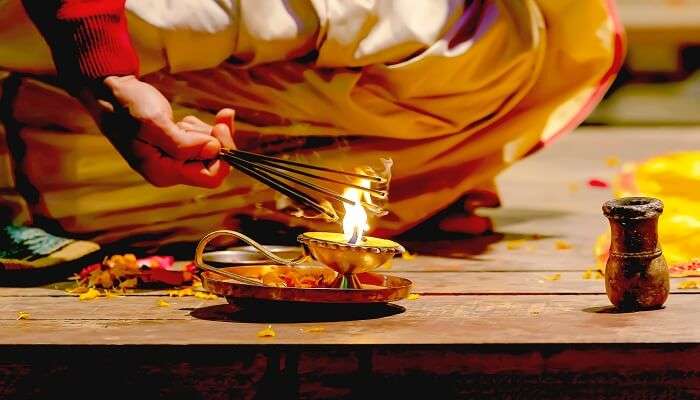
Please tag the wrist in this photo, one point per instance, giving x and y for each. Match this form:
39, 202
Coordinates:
99, 95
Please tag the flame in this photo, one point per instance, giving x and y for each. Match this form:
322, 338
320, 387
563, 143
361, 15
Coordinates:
355, 219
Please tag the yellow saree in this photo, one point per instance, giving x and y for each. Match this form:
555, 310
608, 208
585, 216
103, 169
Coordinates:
452, 91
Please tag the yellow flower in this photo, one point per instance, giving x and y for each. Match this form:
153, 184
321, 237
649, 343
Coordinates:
129, 283
90, 294
105, 279
117, 259
413, 296
22, 315
267, 332
407, 256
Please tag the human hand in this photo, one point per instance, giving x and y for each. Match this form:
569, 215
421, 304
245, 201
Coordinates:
223, 129
138, 121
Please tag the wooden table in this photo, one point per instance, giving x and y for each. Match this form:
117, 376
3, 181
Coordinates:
488, 322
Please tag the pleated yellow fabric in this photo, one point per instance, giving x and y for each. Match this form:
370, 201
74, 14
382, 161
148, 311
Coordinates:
452, 91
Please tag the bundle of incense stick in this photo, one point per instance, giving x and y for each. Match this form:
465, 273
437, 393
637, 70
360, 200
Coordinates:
295, 180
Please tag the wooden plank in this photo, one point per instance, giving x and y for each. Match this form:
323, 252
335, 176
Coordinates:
541, 182
514, 253
59, 290
667, 15
552, 282
493, 319
545, 282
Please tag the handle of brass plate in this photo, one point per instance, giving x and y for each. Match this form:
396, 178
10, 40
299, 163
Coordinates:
199, 256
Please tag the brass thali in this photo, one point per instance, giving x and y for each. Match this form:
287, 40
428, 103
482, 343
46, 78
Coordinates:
377, 288
347, 268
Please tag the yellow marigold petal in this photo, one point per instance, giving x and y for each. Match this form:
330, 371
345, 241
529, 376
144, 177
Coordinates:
77, 290
562, 245
117, 259
553, 277
535, 309
162, 303
90, 294
267, 332
181, 293
592, 273
407, 256
22, 315
111, 294
413, 296
205, 296
613, 161
314, 329
129, 283
689, 284
515, 244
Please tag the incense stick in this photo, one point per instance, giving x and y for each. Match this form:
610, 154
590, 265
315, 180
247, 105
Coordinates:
301, 165
271, 171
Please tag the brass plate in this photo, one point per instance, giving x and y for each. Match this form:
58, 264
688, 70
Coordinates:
248, 255
378, 288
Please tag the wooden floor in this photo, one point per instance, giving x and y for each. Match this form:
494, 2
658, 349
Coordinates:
489, 323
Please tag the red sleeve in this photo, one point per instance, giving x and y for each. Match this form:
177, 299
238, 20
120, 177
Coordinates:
88, 38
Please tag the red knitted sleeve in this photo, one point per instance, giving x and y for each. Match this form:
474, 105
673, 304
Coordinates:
88, 38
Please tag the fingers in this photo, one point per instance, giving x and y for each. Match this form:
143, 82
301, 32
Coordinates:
162, 171
193, 127
226, 117
221, 131
224, 135
164, 152
197, 174
180, 144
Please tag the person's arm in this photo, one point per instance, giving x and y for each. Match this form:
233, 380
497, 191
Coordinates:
89, 39
96, 62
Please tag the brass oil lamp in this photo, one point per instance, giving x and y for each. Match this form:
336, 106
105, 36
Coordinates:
352, 255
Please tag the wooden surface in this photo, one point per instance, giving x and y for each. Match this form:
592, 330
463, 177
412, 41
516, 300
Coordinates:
488, 322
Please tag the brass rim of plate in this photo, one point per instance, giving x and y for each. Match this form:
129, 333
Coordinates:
395, 248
